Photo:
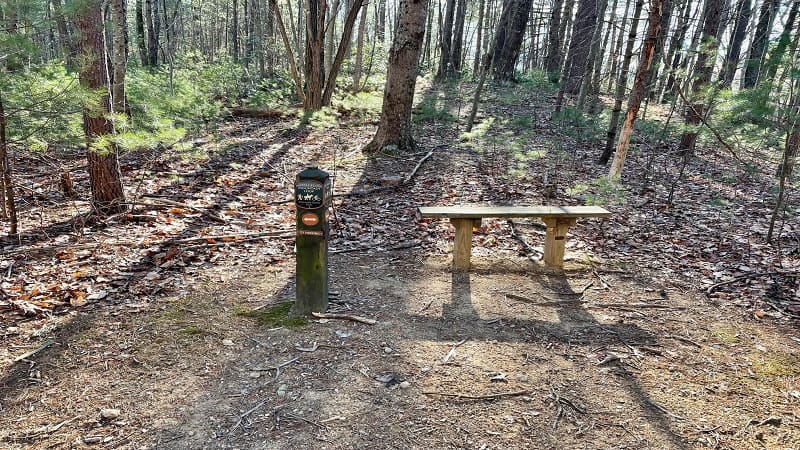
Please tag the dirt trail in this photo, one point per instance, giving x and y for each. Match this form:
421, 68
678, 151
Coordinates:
620, 350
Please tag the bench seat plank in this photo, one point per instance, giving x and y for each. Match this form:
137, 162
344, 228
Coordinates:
477, 212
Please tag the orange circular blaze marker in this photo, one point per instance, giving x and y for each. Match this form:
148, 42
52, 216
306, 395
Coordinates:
309, 219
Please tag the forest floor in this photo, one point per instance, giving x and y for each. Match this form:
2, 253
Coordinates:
673, 324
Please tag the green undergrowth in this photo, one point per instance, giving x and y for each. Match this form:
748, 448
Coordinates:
279, 315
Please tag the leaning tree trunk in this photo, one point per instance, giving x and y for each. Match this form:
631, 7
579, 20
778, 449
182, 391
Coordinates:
777, 54
398, 96
735, 44
315, 55
108, 196
622, 82
758, 47
7, 193
478, 40
509, 36
702, 72
638, 90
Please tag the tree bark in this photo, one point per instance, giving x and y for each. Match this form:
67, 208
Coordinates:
446, 39
315, 55
777, 54
398, 96
735, 44
457, 47
612, 72
622, 82
119, 19
7, 193
479, 39
140, 36
105, 179
552, 62
347, 33
508, 38
639, 85
758, 47
358, 66
298, 83
588, 72
704, 65
581, 42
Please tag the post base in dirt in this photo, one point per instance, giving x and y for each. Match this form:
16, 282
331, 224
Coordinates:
312, 275
462, 248
555, 240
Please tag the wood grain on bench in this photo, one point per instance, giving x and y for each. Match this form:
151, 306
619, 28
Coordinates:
557, 218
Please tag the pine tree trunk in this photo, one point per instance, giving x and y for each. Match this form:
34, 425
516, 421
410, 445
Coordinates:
357, 68
509, 37
446, 39
6, 182
735, 44
579, 47
702, 72
680, 61
398, 96
330, 40
64, 36
552, 62
777, 54
639, 85
235, 31
479, 38
315, 55
140, 36
119, 18
457, 47
588, 72
380, 25
105, 179
347, 33
617, 52
622, 83
598, 66
758, 47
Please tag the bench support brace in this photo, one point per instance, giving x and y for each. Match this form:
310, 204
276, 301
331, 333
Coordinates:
462, 248
555, 239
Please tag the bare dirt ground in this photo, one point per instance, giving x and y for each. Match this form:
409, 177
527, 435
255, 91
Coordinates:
153, 330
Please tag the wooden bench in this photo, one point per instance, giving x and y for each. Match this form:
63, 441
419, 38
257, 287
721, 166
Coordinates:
557, 218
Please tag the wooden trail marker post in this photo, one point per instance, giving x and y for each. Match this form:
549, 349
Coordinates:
312, 196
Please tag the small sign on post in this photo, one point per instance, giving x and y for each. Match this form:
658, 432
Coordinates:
312, 195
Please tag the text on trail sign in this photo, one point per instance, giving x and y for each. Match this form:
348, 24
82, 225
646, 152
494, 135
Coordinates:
308, 194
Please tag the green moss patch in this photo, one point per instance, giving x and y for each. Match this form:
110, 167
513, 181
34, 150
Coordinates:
279, 315
776, 365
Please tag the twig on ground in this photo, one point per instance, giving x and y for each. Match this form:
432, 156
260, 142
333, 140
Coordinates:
427, 305
479, 397
278, 367
47, 344
311, 422
228, 238
637, 305
683, 339
452, 351
408, 178
404, 246
313, 348
344, 317
750, 276
516, 236
549, 302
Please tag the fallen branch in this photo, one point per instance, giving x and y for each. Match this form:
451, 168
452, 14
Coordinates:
637, 305
408, 177
47, 344
750, 276
516, 236
227, 238
344, 317
549, 302
405, 246
479, 397
278, 367
683, 339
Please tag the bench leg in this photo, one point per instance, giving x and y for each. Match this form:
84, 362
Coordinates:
555, 240
462, 248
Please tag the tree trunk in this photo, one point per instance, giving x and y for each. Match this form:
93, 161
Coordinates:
331, 38
598, 66
398, 96
151, 16
776, 55
108, 196
457, 47
675, 50
702, 72
509, 37
612, 72
479, 39
588, 72
638, 90
7, 193
315, 55
622, 82
552, 62
446, 39
64, 36
758, 47
347, 33
298, 83
140, 36
119, 18
235, 31
357, 69
579, 47
735, 44
380, 25
790, 152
